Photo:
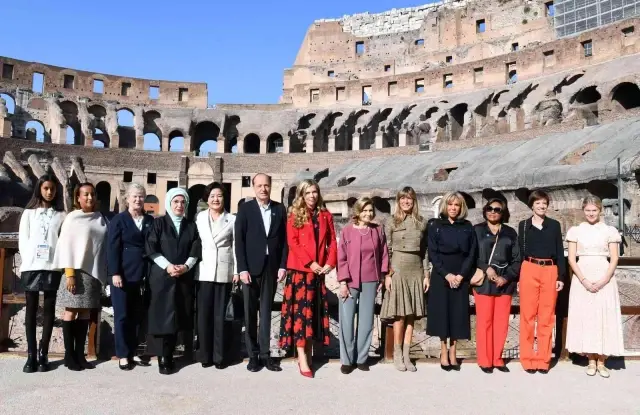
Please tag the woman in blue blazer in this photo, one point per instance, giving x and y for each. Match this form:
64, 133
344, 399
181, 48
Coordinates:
127, 268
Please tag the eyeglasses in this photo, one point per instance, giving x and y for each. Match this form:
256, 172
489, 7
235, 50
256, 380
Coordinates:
490, 209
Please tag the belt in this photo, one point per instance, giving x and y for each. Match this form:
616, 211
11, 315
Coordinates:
541, 262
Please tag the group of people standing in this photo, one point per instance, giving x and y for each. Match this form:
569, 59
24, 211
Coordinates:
161, 270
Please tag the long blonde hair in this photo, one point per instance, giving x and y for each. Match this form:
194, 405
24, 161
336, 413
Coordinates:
399, 215
299, 207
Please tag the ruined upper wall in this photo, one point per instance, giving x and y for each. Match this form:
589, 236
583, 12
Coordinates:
122, 89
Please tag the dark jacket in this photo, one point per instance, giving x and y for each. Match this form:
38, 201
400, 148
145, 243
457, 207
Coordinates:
506, 259
452, 248
125, 251
553, 247
252, 240
171, 299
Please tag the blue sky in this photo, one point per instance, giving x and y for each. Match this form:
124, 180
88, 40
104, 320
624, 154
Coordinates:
239, 48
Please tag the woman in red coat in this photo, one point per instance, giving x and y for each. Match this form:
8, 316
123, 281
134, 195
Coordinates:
312, 255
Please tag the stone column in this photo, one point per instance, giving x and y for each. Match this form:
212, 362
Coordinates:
402, 138
308, 145
114, 140
221, 144
379, 138
241, 145
355, 142
286, 145
59, 135
263, 146
5, 127
332, 143
187, 144
139, 141
88, 140
164, 143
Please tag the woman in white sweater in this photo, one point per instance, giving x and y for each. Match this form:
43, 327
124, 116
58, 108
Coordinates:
39, 228
81, 253
215, 275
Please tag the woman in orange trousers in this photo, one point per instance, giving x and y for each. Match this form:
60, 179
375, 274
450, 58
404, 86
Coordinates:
541, 277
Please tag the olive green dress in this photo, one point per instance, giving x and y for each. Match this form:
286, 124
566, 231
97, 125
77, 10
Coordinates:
407, 243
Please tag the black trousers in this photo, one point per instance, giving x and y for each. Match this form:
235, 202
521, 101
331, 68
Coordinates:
212, 303
127, 315
258, 295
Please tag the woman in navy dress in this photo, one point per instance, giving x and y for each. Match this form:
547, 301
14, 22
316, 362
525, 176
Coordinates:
452, 250
127, 269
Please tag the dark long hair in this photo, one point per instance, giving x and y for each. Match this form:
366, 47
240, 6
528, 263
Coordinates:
37, 200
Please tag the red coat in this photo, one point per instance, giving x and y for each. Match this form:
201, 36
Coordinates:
302, 244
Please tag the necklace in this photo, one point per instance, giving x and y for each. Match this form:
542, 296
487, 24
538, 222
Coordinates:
365, 233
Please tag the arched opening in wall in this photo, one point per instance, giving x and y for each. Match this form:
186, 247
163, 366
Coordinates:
522, 194
603, 189
627, 95
73, 138
176, 141
252, 144
350, 202
230, 133
457, 120
152, 205
152, 142
471, 203
126, 131
74, 130
585, 96
296, 144
206, 138
195, 196
10, 103
275, 143
488, 194
36, 131
100, 139
292, 195
103, 194
381, 205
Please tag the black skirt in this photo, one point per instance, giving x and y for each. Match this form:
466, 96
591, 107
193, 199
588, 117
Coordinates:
41, 280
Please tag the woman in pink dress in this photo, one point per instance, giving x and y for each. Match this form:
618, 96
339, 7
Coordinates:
594, 323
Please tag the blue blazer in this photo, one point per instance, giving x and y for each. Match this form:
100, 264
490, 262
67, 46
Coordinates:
125, 250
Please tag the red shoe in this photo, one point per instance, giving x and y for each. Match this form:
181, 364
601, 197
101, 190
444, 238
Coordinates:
308, 374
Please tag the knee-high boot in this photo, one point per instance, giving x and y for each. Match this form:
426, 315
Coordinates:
81, 330
69, 346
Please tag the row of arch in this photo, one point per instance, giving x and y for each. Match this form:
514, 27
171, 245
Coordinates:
454, 123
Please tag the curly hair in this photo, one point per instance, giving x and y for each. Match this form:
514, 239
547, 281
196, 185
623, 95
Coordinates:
299, 207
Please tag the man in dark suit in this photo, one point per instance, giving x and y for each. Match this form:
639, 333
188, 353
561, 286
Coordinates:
261, 253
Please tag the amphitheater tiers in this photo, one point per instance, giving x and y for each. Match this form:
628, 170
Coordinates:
372, 102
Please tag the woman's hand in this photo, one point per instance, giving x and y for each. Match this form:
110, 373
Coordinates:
315, 267
387, 283
600, 284
171, 270
425, 283
71, 285
236, 278
588, 285
491, 274
451, 279
343, 292
500, 281
326, 269
117, 281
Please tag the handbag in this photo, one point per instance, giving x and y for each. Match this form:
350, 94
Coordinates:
235, 306
478, 277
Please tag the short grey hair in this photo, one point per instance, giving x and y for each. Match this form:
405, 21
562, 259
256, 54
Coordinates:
132, 187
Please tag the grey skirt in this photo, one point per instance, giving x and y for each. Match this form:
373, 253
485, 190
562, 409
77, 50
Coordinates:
88, 292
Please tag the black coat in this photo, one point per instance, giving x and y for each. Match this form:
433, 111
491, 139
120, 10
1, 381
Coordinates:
125, 251
171, 303
506, 258
452, 250
252, 240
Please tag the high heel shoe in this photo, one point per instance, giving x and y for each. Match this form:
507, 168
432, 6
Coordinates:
308, 374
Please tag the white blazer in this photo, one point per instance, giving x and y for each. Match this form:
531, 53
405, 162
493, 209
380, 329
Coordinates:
218, 248
30, 236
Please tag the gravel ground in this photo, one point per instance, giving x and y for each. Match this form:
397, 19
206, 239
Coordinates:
194, 390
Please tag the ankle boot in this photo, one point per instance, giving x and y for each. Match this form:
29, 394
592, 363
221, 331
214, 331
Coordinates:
397, 358
407, 361
81, 330
43, 357
69, 346
31, 364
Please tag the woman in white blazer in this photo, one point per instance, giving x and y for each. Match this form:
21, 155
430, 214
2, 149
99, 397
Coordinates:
40, 225
216, 273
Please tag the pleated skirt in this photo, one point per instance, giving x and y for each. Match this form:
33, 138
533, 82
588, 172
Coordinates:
406, 297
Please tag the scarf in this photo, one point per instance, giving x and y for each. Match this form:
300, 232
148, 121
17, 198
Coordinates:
171, 194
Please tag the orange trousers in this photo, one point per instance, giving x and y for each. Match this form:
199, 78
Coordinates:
492, 325
537, 303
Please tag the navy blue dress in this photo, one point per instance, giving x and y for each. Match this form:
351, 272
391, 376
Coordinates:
126, 257
452, 250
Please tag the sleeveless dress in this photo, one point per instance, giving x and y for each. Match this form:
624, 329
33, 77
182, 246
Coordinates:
594, 323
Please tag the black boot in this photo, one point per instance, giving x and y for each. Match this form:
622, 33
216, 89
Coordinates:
69, 346
43, 357
81, 330
32, 363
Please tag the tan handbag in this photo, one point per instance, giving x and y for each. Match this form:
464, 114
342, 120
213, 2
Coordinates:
478, 276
